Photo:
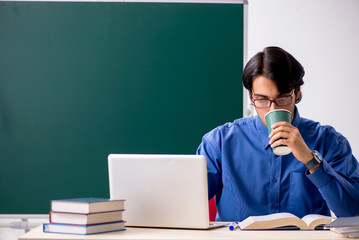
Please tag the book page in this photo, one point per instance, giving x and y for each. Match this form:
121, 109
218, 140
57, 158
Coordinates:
275, 220
345, 222
273, 216
342, 230
315, 220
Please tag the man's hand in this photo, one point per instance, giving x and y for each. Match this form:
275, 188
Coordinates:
286, 134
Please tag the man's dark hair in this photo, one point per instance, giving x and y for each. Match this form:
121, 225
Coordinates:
277, 65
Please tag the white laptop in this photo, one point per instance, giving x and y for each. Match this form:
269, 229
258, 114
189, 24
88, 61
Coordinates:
167, 191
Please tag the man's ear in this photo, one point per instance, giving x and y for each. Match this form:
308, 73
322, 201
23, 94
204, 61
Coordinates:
298, 95
250, 97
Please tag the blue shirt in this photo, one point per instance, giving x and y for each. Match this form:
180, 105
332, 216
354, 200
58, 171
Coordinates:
247, 179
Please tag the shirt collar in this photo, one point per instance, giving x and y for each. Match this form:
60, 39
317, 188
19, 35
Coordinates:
263, 132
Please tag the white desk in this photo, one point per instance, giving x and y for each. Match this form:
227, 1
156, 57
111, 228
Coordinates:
170, 234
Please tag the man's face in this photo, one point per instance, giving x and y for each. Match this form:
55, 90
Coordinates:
264, 88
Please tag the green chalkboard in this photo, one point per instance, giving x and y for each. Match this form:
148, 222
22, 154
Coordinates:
81, 80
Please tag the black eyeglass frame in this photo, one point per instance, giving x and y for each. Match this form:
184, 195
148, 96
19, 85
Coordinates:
273, 101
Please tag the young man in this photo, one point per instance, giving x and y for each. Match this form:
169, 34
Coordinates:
248, 179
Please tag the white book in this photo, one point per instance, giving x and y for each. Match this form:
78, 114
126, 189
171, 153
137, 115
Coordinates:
86, 205
86, 219
283, 220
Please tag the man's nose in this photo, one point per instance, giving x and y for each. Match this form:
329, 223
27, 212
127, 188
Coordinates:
273, 106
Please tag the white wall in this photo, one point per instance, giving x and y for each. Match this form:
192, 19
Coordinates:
323, 35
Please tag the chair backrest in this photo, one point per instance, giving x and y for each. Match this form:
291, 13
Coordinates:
212, 209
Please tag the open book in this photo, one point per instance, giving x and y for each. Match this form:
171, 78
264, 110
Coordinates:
285, 220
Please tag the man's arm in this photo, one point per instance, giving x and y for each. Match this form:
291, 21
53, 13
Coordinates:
340, 191
213, 165
337, 178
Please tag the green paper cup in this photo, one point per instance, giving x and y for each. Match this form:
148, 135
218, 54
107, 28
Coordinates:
279, 115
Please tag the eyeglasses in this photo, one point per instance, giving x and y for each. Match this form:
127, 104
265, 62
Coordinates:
280, 102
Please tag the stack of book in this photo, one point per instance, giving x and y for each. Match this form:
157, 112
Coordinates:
85, 216
347, 226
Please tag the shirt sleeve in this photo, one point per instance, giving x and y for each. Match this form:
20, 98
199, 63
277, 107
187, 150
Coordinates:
212, 154
338, 177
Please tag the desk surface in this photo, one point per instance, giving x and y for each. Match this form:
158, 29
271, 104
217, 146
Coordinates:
220, 233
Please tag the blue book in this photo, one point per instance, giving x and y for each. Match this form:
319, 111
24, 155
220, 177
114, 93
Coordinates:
85, 219
87, 205
83, 229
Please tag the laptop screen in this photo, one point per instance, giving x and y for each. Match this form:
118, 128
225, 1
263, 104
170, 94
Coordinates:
161, 190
